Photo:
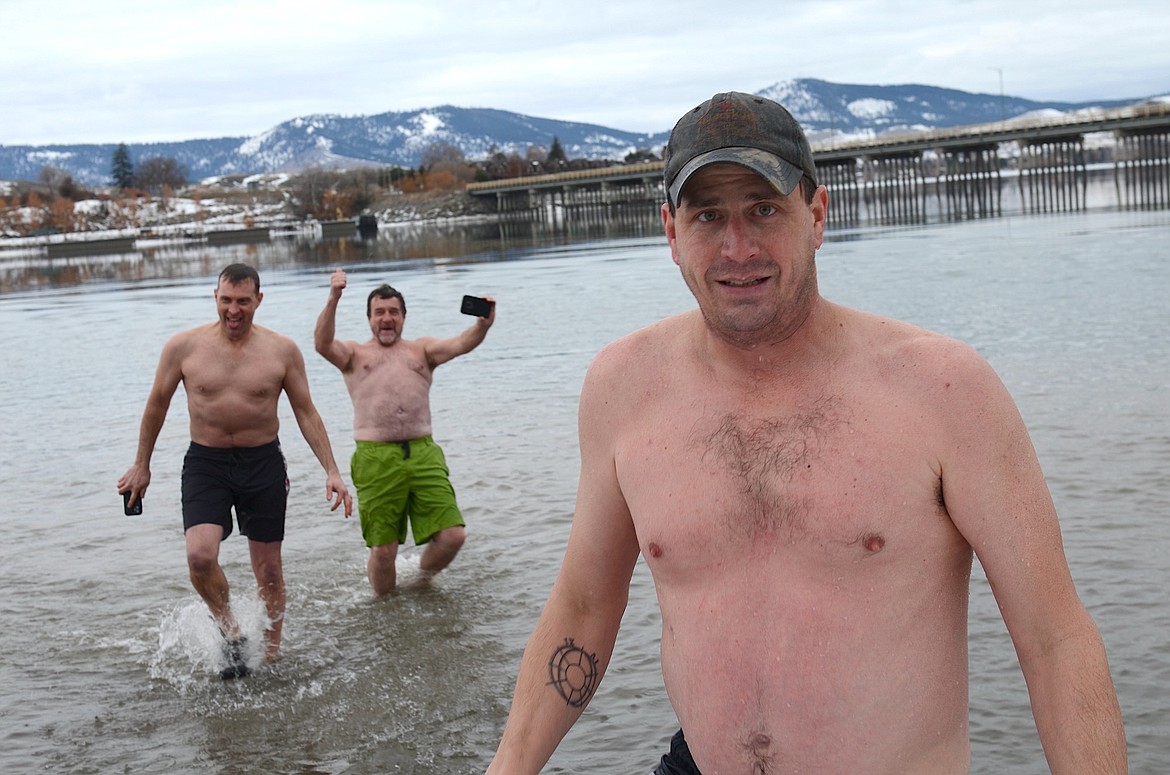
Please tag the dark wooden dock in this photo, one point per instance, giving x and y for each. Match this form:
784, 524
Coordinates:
238, 236
80, 247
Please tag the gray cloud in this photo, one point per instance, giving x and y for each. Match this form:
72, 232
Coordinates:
141, 71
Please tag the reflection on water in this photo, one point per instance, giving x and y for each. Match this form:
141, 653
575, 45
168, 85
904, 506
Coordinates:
414, 244
435, 242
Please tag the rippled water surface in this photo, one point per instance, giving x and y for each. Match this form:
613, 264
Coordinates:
109, 658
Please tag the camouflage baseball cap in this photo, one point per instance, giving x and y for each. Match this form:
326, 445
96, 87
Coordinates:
743, 129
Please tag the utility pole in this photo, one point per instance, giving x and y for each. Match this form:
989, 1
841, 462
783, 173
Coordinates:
1002, 114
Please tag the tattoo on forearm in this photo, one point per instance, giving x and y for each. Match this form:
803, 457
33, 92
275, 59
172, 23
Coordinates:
572, 671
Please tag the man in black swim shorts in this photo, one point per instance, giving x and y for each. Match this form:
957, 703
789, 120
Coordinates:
233, 373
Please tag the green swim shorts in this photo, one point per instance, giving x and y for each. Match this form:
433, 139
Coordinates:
401, 480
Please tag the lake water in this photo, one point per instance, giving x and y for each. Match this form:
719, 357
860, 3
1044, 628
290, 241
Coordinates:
108, 655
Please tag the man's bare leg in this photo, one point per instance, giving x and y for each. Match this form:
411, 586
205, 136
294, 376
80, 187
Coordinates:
380, 568
440, 551
207, 575
269, 571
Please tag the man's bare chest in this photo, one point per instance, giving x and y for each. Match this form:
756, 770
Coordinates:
215, 375
839, 476
400, 365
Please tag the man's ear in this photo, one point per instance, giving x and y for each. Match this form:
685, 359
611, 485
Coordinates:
668, 226
820, 211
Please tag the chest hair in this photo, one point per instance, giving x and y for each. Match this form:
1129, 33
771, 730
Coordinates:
764, 455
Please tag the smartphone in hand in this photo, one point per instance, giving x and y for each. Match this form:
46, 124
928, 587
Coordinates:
474, 305
126, 507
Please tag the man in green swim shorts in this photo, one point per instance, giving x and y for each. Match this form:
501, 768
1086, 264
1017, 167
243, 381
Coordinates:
399, 471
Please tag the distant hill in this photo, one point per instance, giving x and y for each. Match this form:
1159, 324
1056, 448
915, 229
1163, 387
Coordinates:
400, 138
825, 108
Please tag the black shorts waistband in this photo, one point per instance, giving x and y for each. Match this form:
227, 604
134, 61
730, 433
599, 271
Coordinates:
262, 451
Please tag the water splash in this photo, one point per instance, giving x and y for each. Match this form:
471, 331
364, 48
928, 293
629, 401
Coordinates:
191, 647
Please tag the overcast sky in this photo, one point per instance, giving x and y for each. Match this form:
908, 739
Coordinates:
104, 71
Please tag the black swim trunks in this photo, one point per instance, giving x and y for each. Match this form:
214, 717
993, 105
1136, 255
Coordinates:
253, 479
678, 761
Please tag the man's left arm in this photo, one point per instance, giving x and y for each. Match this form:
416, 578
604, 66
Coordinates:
439, 351
296, 387
996, 495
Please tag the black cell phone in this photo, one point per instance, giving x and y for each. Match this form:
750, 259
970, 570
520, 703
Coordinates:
474, 305
131, 510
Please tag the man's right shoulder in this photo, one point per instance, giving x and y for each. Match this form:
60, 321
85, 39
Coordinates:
643, 353
191, 336
659, 336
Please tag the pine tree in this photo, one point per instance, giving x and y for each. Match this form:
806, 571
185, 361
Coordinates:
556, 154
122, 168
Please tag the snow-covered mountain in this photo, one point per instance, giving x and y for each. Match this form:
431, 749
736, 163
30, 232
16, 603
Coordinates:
825, 108
401, 138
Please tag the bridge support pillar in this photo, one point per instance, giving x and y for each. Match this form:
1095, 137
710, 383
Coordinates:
1053, 177
1141, 169
970, 185
840, 177
894, 188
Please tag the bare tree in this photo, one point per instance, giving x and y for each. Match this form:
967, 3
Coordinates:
332, 194
446, 166
158, 172
61, 183
439, 153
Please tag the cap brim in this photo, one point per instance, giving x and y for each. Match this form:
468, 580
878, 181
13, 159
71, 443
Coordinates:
782, 175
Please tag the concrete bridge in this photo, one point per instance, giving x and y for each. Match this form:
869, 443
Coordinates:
955, 173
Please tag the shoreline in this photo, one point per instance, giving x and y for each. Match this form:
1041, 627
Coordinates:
238, 224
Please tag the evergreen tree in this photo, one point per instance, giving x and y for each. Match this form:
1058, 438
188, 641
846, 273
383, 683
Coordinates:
556, 154
122, 168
